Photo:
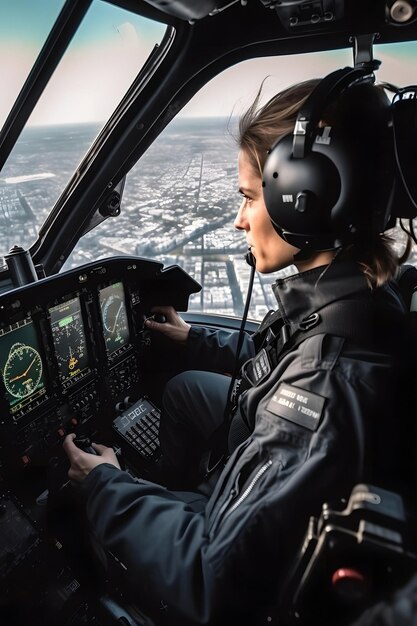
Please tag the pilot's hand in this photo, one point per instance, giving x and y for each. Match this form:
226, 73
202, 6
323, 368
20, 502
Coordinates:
82, 462
174, 327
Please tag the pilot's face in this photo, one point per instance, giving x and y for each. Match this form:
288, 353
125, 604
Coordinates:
270, 250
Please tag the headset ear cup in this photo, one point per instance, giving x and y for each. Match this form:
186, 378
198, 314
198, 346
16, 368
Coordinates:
341, 190
300, 193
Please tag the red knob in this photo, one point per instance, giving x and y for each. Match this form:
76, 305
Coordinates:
350, 584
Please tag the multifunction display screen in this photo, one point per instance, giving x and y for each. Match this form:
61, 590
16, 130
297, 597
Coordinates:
114, 317
69, 341
21, 367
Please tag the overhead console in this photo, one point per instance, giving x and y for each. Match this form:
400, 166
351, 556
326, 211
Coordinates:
72, 349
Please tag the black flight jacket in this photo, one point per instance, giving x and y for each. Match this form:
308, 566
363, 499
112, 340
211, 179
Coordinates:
322, 420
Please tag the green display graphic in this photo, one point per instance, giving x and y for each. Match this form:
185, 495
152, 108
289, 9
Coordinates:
69, 340
21, 366
114, 317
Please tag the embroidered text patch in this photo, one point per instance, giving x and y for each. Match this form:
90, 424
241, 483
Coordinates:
297, 405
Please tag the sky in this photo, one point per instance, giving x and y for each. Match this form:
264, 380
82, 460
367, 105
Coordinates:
101, 62
112, 45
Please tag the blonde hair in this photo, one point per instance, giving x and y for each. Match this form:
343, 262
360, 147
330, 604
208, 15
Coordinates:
259, 129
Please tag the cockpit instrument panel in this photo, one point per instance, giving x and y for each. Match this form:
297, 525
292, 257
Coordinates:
73, 347
69, 341
22, 367
114, 318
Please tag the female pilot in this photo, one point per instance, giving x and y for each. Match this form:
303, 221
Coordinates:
312, 415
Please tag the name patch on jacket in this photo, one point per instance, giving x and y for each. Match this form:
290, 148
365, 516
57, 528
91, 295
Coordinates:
297, 405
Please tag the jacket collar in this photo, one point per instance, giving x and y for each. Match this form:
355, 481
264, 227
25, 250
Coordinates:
301, 295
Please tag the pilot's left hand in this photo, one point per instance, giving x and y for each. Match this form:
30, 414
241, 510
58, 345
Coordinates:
83, 462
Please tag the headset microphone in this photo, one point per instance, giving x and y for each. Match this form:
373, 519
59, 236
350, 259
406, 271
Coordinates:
249, 258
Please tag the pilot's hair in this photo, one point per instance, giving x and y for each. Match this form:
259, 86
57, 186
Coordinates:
261, 126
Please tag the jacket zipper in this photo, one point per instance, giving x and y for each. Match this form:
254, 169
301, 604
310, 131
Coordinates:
220, 486
232, 493
261, 471
223, 513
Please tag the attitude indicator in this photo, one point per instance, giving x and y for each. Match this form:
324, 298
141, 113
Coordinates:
69, 340
114, 317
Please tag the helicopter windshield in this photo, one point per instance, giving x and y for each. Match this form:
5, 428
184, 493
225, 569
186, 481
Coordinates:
107, 52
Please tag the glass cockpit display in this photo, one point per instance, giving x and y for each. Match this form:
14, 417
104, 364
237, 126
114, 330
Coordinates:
21, 367
114, 317
69, 340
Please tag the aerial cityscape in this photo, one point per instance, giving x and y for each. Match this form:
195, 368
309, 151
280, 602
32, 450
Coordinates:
178, 207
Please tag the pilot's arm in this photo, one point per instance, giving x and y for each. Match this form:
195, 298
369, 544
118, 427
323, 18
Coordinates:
207, 348
82, 462
189, 566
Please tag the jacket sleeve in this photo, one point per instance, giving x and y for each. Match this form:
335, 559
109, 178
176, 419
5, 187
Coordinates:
206, 565
215, 350
201, 569
158, 538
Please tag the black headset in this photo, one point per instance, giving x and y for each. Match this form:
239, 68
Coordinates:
326, 186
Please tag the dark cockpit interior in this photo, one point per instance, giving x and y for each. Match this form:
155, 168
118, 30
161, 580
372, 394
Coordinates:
75, 354
75, 358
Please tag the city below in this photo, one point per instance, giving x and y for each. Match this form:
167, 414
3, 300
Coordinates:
178, 207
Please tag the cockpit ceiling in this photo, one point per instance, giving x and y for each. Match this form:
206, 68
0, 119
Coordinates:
189, 9
299, 16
